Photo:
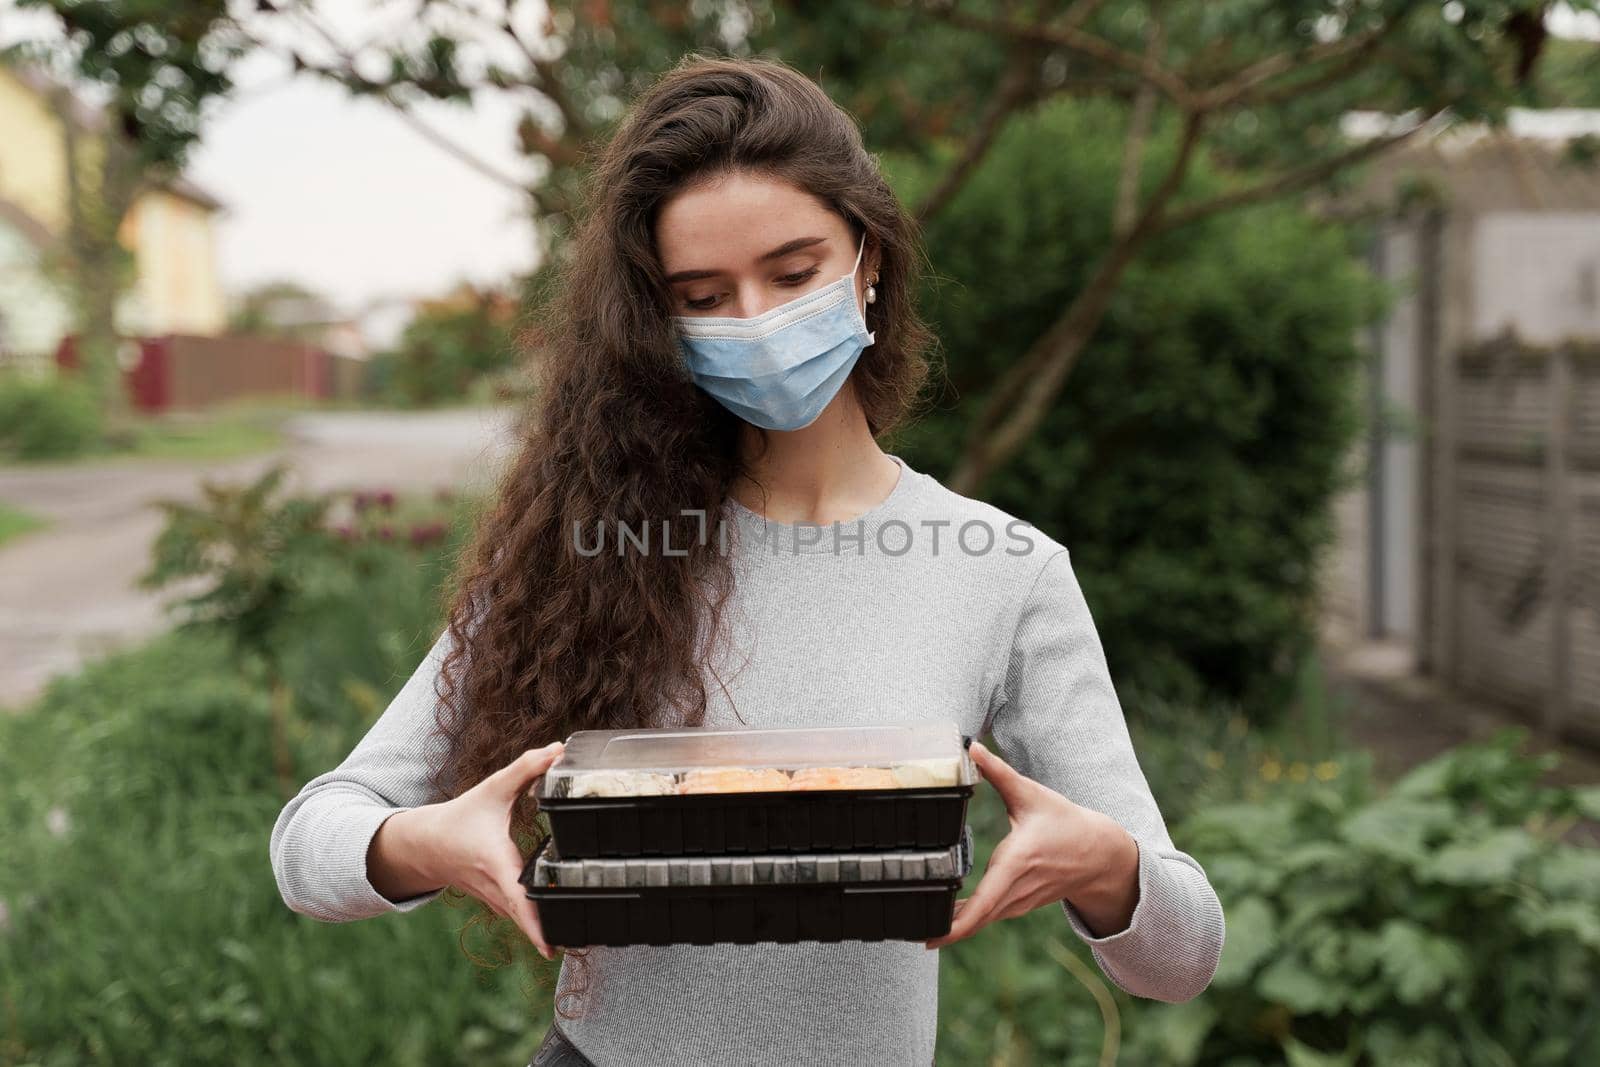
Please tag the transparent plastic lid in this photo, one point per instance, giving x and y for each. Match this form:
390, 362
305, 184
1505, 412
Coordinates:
679, 760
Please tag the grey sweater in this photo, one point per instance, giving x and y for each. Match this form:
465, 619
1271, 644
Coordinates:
931, 605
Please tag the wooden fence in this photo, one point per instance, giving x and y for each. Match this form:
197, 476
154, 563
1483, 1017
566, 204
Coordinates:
1523, 506
188, 372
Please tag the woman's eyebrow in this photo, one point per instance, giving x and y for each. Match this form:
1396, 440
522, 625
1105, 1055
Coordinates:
777, 253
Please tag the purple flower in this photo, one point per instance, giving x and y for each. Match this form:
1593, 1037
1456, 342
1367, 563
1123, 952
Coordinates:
386, 532
386, 499
427, 533
361, 500
345, 532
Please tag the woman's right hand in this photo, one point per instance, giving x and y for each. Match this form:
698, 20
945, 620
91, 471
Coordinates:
466, 843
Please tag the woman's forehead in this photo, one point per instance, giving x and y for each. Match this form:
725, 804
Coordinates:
735, 219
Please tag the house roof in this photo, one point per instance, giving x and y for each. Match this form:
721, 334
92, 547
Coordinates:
34, 77
188, 190
1503, 174
34, 231
1527, 166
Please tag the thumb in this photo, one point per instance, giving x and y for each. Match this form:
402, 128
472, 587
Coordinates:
1014, 787
515, 777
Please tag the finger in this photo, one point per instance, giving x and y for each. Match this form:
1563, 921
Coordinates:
526, 913
973, 913
514, 777
523, 912
515, 898
492, 902
1014, 787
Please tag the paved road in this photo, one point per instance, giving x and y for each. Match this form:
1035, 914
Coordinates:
68, 592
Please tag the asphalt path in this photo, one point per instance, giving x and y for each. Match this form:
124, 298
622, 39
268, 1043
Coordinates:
69, 592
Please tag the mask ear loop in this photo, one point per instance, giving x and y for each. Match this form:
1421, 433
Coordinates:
872, 336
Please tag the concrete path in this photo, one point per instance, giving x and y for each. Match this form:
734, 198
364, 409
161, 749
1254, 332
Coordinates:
68, 592
1406, 719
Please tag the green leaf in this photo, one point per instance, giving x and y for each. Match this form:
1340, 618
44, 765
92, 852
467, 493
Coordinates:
1419, 963
1252, 935
1180, 1029
1298, 1054
1569, 871
1317, 854
1575, 919
1397, 828
1428, 779
1486, 861
1290, 982
1588, 801
1320, 900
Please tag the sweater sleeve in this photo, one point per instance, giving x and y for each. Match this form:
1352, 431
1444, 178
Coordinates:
1060, 723
319, 842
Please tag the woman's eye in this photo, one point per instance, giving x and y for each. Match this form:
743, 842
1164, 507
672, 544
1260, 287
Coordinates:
709, 302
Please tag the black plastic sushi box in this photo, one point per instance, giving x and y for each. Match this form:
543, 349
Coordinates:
768, 834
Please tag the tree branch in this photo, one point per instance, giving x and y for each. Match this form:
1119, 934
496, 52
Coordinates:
346, 73
1296, 179
1028, 387
1239, 85
1144, 108
1348, 64
438, 140
1239, 88
1017, 87
1079, 13
1072, 39
549, 81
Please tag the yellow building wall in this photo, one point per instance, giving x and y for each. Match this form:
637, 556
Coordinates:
177, 290
32, 157
176, 287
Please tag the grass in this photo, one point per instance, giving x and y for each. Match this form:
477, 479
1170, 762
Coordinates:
139, 920
221, 435
15, 523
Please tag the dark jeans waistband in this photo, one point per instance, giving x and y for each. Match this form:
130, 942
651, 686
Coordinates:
557, 1051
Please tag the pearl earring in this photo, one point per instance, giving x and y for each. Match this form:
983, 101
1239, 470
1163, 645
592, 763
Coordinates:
872, 292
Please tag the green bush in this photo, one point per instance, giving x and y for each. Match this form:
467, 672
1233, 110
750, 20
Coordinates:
443, 353
1440, 924
142, 924
46, 418
1191, 460
139, 921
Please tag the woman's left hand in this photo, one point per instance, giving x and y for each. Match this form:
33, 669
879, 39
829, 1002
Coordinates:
1056, 850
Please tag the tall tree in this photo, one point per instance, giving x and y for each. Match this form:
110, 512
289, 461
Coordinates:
1259, 89
158, 64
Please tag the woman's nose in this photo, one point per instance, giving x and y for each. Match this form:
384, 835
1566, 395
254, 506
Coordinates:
751, 300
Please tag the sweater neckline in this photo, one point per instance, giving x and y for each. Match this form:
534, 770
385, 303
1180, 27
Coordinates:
843, 536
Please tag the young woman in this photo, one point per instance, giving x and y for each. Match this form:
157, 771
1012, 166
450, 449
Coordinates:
734, 335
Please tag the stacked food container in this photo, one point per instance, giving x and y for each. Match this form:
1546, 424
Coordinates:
701, 835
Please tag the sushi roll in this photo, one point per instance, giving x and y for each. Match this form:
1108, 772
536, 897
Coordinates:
927, 773
734, 780
844, 778
622, 784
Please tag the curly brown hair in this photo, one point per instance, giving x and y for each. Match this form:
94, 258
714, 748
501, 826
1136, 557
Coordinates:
546, 640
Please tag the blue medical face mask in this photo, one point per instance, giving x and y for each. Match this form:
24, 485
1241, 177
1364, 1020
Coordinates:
779, 369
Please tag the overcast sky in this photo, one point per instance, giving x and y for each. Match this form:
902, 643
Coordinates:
341, 195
